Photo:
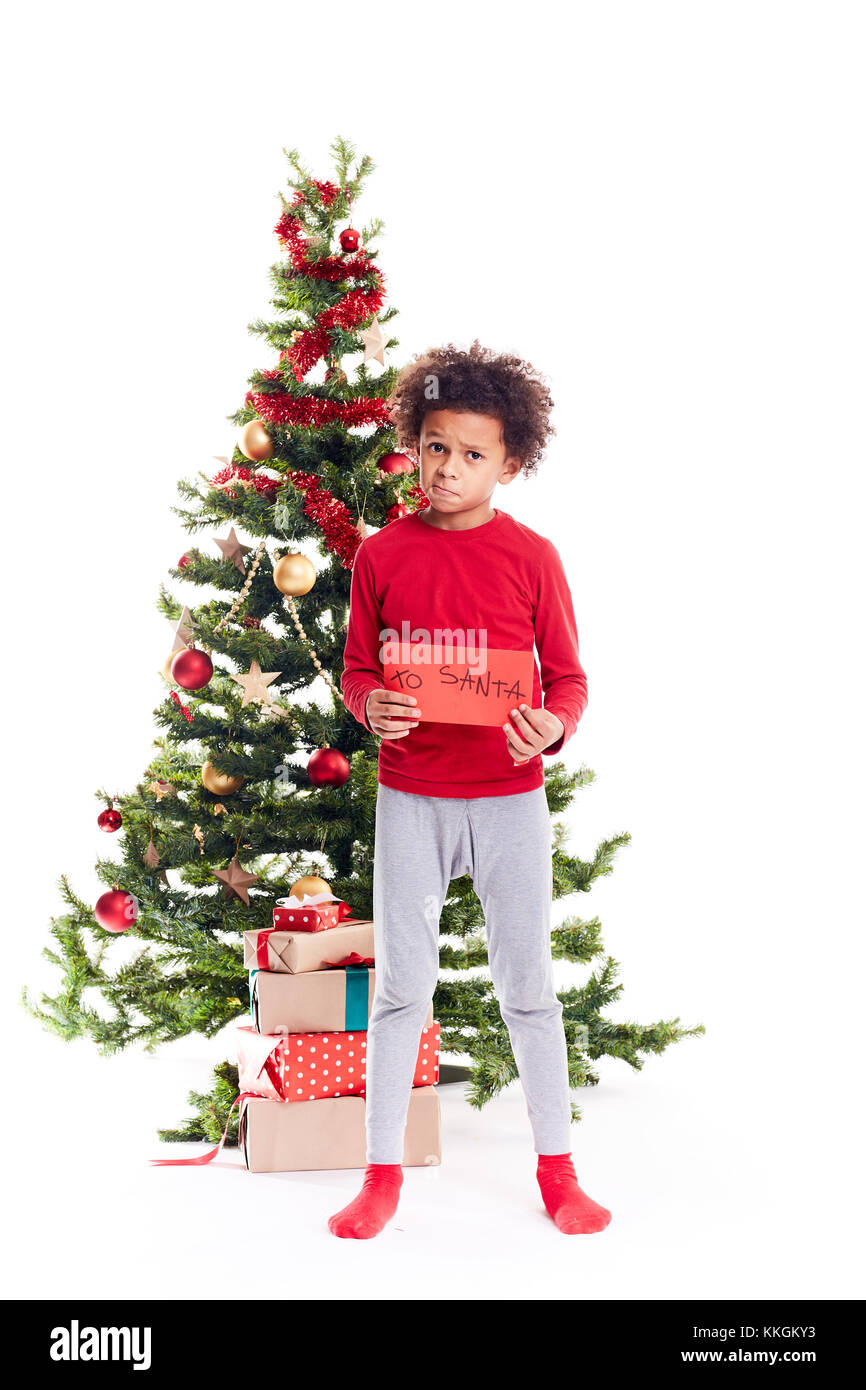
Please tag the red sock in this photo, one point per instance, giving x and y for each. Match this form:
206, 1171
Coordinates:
574, 1213
374, 1205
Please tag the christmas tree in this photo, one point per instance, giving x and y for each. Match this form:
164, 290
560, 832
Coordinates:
260, 777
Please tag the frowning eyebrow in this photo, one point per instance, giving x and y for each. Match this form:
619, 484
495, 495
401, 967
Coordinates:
479, 448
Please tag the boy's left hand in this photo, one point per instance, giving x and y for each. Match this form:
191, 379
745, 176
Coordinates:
536, 729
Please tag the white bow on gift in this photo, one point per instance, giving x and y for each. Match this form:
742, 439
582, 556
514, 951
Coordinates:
308, 900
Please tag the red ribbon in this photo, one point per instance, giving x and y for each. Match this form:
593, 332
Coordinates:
353, 959
202, 1158
185, 712
262, 947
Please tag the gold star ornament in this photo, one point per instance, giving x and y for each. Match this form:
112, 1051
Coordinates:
256, 683
374, 342
161, 789
183, 632
233, 550
273, 711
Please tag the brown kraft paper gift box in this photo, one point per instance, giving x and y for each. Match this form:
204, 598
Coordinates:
300, 951
319, 1135
313, 1002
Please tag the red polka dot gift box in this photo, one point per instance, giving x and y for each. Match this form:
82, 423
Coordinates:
313, 1066
312, 912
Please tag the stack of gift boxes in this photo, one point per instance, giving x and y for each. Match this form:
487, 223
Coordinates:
302, 1064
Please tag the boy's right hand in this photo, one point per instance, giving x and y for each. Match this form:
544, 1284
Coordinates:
387, 714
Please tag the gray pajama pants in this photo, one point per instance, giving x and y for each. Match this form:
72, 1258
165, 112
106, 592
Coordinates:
505, 844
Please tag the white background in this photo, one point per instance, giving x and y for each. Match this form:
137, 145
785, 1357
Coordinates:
662, 207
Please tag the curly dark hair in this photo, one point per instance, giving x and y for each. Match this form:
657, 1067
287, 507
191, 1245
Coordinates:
479, 380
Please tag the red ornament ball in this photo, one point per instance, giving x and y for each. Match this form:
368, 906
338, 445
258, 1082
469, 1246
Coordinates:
116, 911
399, 509
183, 562
109, 820
191, 668
328, 768
350, 239
395, 463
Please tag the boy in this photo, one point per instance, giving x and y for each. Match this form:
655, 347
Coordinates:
452, 798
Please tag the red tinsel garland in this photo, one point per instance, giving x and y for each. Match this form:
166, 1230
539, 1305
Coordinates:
350, 311
312, 411
289, 229
332, 517
327, 191
335, 521
310, 346
237, 473
420, 495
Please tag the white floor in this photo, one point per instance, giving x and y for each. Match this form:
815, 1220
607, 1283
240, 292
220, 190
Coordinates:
715, 1191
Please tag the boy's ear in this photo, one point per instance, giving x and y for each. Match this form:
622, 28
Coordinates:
510, 469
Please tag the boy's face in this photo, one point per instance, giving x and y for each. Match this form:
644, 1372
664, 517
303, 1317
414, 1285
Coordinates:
463, 457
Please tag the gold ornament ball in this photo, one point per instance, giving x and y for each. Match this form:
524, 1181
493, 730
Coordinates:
255, 441
219, 782
166, 670
294, 574
309, 885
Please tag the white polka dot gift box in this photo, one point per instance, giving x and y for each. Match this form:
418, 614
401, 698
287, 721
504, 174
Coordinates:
313, 1066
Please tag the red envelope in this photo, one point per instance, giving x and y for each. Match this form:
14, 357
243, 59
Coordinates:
460, 691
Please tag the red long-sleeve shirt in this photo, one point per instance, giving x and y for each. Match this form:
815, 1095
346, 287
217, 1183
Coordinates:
499, 576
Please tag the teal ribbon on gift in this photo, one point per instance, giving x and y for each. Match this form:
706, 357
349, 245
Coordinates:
357, 998
253, 973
